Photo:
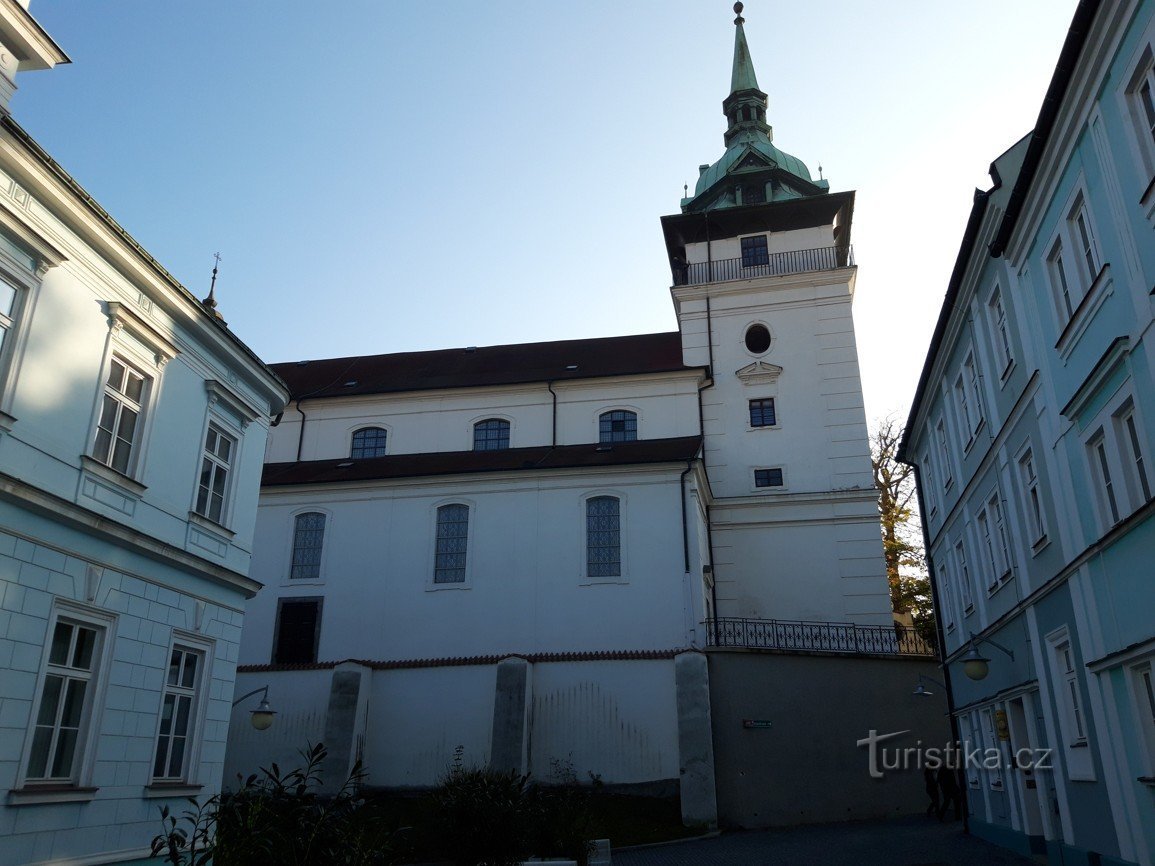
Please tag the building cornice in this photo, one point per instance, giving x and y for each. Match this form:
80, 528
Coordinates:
69, 513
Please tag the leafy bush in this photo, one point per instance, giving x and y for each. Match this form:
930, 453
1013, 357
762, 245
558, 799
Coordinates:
280, 818
482, 816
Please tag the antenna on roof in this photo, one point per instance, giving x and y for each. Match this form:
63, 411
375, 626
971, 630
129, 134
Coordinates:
210, 303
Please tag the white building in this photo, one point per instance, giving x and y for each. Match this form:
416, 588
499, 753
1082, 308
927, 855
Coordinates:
132, 427
526, 550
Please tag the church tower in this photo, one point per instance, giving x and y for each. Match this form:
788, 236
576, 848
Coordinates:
763, 280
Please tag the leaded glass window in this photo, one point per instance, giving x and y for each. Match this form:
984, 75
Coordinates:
492, 434
308, 541
452, 543
755, 251
618, 426
603, 536
369, 442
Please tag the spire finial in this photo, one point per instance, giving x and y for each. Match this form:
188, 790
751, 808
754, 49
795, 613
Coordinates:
738, 11
210, 303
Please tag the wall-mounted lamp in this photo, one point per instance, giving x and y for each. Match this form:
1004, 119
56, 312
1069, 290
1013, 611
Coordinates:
921, 691
262, 716
975, 665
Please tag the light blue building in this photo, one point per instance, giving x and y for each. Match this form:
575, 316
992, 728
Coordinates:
1033, 431
132, 431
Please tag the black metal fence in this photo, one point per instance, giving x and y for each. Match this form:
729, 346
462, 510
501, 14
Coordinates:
839, 637
764, 265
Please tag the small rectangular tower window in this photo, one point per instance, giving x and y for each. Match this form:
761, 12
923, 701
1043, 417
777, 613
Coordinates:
768, 477
755, 251
762, 413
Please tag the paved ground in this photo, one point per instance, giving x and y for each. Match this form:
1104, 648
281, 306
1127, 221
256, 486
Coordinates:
897, 842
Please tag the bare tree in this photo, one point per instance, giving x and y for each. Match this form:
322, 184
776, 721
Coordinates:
901, 528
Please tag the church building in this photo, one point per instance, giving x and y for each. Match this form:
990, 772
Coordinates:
607, 555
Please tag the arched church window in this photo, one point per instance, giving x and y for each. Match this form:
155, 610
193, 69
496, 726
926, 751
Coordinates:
619, 425
492, 434
368, 442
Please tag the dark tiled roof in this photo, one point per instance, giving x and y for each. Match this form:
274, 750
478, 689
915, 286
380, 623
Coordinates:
485, 365
462, 462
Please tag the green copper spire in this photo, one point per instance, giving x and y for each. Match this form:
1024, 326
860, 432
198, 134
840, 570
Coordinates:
743, 77
752, 171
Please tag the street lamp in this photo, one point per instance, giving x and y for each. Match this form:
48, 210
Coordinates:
975, 665
262, 716
921, 691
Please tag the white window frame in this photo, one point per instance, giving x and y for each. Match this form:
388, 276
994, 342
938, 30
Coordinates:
769, 488
198, 693
966, 588
1033, 505
122, 400
215, 423
1141, 679
291, 544
1000, 332
992, 533
84, 755
585, 578
1104, 471
944, 452
990, 738
431, 583
1073, 263
1133, 453
946, 588
931, 493
969, 401
1142, 66
1064, 666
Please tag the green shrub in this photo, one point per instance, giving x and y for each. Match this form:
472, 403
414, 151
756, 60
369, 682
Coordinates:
278, 817
482, 816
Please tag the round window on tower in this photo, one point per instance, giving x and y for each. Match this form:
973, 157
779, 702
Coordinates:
757, 339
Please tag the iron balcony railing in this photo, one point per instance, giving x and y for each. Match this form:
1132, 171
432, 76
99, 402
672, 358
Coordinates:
763, 265
837, 637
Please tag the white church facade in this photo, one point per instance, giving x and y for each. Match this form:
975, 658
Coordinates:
539, 554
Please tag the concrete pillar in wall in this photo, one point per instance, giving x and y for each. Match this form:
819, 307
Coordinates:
695, 740
345, 723
509, 744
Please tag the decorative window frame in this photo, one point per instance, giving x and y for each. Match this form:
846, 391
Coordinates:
942, 445
491, 416
1091, 290
326, 546
946, 587
966, 584
25, 274
1033, 501
1000, 330
193, 775
742, 338
967, 391
990, 740
133, 341
617, 407
1141, 64
291, 599
994, 539
1140, 675
1080, 764
584, 578
431, 547
235, 431
80, 789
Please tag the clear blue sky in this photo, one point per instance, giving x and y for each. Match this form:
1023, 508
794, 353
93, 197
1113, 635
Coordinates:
388, 176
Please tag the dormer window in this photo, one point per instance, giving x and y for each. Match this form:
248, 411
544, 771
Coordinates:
754, 194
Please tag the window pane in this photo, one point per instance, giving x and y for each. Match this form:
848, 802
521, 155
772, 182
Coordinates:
190, 670
369, 442
491, 435
61, 641
166, 713
176, 760
7, 297
158, 761
308, 541
116, 375
755, 251
38, 761
174, 667
85, 644
134, 386
65, 750
603, 536
50, 700
618, 426
73, 703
